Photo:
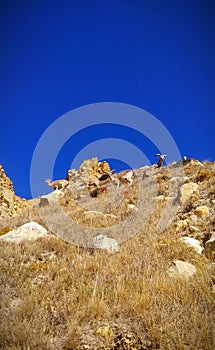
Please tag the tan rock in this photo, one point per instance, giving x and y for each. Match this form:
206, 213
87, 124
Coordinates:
193, 228
92, 167
7, 196
182, 269
195, 162
187, 190
194, 218
160, 198
203, 210
182, 224
210, 246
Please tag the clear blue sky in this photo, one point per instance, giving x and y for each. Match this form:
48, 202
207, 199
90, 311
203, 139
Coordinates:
60, 55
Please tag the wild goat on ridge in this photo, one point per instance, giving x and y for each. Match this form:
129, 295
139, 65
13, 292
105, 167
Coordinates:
161, 159
57, 184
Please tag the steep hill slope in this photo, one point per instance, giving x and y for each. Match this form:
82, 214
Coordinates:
150, 289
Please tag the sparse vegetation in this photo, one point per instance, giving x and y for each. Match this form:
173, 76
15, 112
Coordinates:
55, 295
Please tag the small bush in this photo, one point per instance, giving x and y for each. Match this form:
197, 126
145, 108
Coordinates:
4, 231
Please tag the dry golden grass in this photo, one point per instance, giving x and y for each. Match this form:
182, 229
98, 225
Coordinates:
56, 296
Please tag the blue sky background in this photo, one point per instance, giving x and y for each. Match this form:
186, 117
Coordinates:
60, 55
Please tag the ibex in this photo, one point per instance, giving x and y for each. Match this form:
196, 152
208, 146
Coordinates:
57, 184
125, 177
161, 159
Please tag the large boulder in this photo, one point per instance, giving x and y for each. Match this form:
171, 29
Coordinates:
30, 231
187, 190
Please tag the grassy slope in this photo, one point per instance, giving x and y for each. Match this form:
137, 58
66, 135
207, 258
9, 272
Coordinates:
58, 296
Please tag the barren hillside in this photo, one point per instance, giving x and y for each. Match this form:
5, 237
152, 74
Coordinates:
120, 261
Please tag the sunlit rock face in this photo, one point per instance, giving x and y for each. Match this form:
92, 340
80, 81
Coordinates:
10, 204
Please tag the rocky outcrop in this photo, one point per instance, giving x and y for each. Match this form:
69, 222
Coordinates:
88, 178
101, 198
7, 195
196, 216
10, 204
93, 167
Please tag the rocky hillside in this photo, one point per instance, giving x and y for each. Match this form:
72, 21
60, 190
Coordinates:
110, 261
10, 204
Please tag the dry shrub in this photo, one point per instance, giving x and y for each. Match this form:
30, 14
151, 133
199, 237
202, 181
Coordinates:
203, 175
4, 230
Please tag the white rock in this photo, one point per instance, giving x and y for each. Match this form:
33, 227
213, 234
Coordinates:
182, 269
4, 205
55, 195
104, 242
186, 179
132, 206
145, 167
30, 231
194, 243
